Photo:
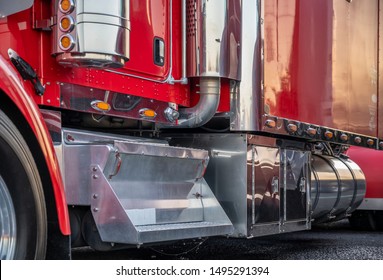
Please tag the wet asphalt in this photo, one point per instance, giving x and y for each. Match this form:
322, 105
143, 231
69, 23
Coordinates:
336, 241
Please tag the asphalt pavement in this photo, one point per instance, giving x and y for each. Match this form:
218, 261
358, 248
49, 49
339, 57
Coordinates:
336, 241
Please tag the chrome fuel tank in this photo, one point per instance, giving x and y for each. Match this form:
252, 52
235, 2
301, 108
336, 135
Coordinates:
338, 187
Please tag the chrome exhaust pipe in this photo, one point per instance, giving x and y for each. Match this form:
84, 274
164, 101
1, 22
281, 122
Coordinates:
206, 107
203, 111
211, 38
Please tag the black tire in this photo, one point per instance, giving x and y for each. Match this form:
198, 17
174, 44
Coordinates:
363, 220
379, 220
22, 190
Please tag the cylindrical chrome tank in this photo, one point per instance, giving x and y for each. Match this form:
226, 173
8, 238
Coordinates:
338, 186
92, 33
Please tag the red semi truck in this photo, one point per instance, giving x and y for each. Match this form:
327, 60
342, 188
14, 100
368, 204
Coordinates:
129, 122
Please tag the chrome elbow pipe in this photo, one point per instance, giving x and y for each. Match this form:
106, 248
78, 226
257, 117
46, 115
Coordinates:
204, 110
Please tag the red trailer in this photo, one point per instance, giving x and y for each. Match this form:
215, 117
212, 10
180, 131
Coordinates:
369, 214
129, 122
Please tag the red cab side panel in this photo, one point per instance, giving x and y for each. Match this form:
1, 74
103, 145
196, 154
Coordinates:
11, 85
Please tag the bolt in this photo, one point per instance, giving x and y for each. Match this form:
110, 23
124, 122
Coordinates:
95, 209
70, 138
197, 195
95, 196
94, 169
95, 176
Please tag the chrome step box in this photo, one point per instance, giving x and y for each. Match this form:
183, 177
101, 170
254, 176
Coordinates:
141, 191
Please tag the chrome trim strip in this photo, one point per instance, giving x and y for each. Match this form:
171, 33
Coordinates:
245, 107
284, 170
371, 204
304, 129
252, 184
183, 80
80, 98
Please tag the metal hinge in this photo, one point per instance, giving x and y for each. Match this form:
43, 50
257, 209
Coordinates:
44, 24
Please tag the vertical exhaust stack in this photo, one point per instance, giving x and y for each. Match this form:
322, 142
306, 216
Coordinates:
213, 52
213, 37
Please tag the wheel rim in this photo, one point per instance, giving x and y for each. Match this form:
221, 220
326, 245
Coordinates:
7, 223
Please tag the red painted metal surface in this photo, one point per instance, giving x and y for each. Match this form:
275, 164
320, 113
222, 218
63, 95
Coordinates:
320, 63
17, 91
371, 163
380, 84
140, 76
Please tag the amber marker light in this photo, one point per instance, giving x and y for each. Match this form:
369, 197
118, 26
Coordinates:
328, 135
66, 6
270, 123
147, 113
101, 106
66, 42
292, 128
311, 131
370, 142
66, 23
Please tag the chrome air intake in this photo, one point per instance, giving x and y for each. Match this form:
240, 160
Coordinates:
91, 33
213, 38
338, 186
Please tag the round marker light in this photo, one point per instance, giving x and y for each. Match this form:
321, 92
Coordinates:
66, 42
328, 135
370, 142
270, 123
66, 6
343, 137
66, 24
292, 128
358, 140
311, 131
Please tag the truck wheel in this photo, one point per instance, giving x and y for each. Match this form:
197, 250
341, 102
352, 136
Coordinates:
22, 205
379, 220
362, 220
